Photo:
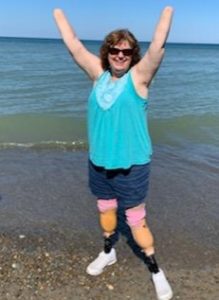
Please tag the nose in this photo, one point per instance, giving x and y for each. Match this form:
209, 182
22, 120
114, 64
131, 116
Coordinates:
120, 54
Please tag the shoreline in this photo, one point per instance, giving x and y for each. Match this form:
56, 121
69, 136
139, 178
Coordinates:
49, 231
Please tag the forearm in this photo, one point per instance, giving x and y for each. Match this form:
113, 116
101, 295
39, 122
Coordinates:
156, 49
67, 32
89, 62
162, 28
150, 62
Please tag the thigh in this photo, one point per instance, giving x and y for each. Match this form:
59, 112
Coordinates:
99, 184
131, 186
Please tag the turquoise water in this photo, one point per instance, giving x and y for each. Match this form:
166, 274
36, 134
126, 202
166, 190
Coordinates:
43, 96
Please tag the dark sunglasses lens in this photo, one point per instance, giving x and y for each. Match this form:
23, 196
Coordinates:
114, 51
127, 52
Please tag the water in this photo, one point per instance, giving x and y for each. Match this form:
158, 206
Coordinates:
43, 106
43, 96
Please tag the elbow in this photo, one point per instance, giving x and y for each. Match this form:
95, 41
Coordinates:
158, 48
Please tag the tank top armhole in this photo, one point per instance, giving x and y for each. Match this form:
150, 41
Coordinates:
99, 77
145, 99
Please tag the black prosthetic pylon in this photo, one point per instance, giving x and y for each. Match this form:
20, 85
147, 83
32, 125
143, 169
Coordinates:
107, 244
151, 263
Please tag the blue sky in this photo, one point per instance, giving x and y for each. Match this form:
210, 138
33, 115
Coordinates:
194, 21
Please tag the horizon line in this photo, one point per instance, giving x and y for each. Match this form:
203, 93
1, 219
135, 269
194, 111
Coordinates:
100, 40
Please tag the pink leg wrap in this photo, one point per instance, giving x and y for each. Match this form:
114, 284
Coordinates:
135, 215
104, 205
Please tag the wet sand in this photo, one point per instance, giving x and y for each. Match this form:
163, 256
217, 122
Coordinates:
49, 230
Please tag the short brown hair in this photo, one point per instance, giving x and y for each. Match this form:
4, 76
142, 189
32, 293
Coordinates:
114, 38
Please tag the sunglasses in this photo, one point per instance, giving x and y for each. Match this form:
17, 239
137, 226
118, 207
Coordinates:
116, 51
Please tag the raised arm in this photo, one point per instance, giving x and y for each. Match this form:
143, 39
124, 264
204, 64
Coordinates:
89, 62
145, 70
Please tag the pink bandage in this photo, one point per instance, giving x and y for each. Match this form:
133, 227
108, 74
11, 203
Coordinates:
135, 215
104, 205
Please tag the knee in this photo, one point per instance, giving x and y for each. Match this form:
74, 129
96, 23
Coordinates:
108, 216
136, 216
140, 231
106, 205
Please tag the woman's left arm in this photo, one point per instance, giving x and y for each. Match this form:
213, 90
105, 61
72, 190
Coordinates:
145, 70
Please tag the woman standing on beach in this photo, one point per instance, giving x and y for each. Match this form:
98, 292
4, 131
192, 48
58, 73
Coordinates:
119, 142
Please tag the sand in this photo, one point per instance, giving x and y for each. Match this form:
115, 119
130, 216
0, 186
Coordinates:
49, 231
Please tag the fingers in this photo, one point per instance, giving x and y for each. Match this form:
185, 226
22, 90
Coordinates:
58, 14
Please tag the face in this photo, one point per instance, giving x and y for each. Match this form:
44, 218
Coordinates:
120, 62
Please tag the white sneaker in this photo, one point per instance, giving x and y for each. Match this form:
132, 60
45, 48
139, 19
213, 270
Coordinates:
104, 259
162, 286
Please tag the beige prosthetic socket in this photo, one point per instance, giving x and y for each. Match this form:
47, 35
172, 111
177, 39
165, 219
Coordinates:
108, 216
139, 228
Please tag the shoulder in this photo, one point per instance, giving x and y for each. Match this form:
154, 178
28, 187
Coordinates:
102, 75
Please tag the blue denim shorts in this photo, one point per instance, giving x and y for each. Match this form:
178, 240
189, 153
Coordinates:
128, 186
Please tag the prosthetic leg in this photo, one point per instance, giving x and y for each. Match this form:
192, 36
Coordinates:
142, 235
144, 238
108, 220
108, 223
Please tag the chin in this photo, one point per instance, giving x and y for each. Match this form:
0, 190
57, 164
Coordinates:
121, 69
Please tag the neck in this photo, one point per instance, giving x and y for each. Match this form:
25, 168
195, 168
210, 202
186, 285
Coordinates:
117, 74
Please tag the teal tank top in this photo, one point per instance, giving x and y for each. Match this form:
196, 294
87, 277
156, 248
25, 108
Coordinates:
117, 124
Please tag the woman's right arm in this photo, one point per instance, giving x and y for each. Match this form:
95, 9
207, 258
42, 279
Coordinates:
89, 62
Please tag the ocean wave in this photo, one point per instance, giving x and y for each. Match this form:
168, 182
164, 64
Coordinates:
47, 145
196, 129
49, 131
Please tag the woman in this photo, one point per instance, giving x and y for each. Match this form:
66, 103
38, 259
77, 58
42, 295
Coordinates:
119, 142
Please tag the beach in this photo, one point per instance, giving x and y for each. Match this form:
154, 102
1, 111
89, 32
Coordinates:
49, 230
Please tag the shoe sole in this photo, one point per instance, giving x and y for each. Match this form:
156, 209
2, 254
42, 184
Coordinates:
101, 271
166, 297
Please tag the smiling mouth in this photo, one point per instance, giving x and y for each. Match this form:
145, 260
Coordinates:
122, 60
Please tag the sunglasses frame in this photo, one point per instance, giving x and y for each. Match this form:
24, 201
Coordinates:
125, 52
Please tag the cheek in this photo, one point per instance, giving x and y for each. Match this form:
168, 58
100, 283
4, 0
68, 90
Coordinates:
129, 60
110, 60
